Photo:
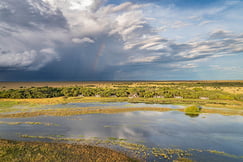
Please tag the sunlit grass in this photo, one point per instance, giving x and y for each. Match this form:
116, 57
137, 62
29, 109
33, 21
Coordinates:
106, 110
225, 154
29, 123
139, 150
7, 103
58, 152
193, 110
79, 111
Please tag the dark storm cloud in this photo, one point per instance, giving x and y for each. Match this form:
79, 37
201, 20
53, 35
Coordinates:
87, 50
26, 34
30, 14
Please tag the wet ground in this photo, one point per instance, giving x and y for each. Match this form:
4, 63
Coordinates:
149, 135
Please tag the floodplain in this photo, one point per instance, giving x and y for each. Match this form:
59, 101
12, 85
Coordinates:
150, 121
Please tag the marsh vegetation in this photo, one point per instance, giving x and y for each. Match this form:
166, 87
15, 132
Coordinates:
161, 121
192, 110
59, 152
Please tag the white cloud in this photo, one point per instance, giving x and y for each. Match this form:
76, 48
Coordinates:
80, 5
206, 22
17, 60
181, 66
121, 7
29, 60
143, 59
221, 34
127, 25
225, 68
83, 40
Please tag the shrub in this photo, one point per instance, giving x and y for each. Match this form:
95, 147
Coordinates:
192, 110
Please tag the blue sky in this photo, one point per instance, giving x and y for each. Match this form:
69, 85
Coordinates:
43, 40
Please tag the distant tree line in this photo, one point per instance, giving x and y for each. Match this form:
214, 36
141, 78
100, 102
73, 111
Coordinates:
146, 92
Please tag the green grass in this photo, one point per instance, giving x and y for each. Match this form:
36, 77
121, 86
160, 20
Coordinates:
225, 154
193, 110
79, 111
140, 150
7, 104
60, 100
116, 139
29, 123
188, 90
58, 152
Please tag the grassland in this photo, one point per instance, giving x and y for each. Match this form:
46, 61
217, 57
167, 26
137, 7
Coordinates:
28, 123
232, 86
42, 151
59, 152
186, 90
6, 103
224, 90
224, 96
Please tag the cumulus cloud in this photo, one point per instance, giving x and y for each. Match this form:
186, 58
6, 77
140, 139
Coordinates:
27, 34
83, 40
28, 60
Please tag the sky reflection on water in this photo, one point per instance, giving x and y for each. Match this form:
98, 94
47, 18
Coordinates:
166, 129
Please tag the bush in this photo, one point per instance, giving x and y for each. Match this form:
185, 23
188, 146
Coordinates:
192, 110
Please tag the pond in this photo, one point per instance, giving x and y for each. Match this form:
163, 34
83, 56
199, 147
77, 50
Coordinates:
207, 136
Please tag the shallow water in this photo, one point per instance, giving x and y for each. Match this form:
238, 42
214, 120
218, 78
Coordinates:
150, 128
117, 105
112, 104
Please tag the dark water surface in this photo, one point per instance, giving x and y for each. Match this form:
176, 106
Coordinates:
150, 128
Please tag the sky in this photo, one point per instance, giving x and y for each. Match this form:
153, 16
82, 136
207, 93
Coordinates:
77, 40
